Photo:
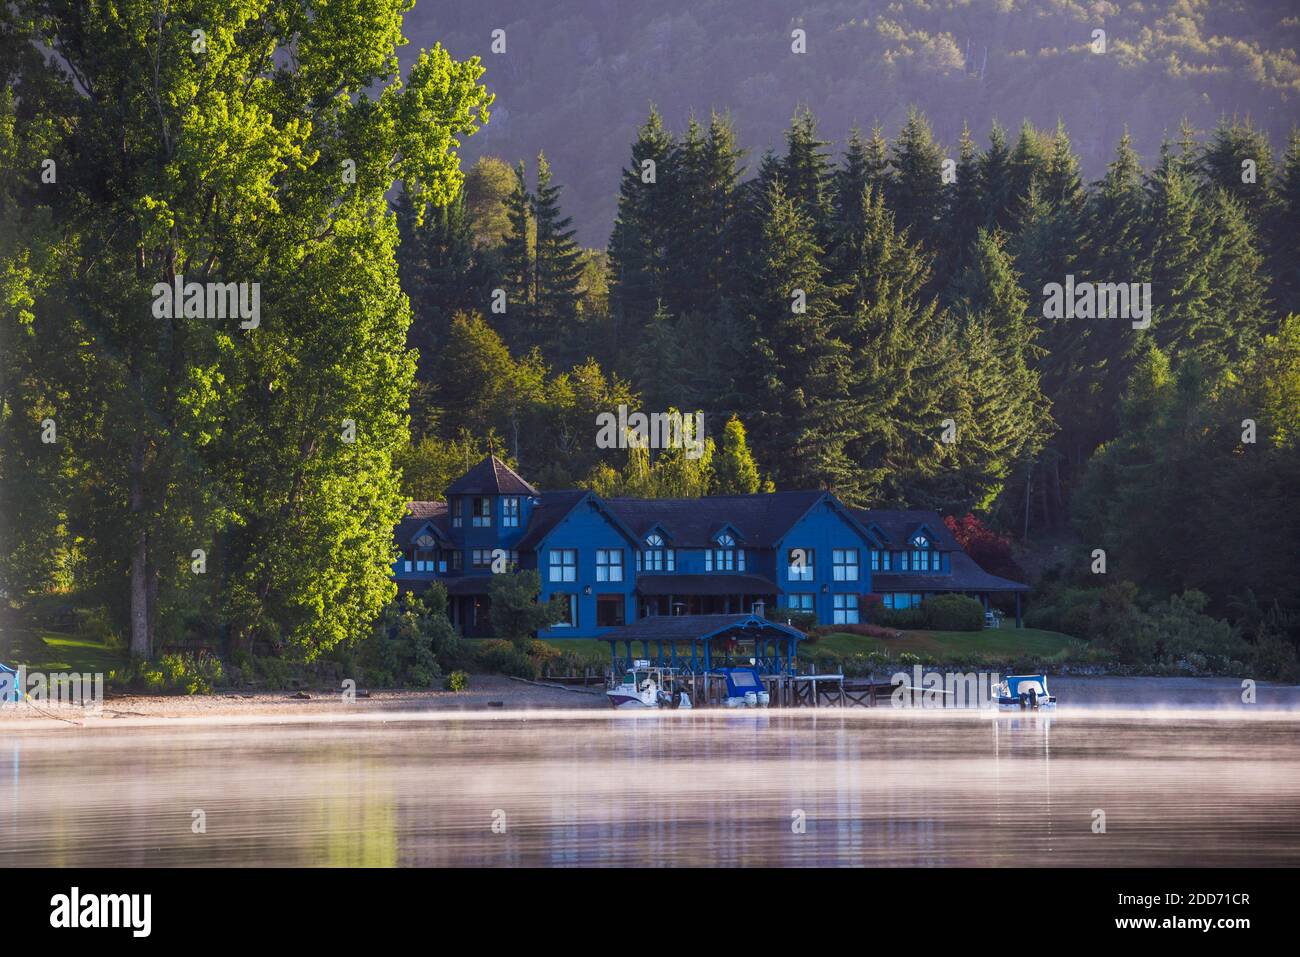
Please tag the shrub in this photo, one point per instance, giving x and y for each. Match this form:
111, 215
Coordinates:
906, 618
502, 657
953, 613
457, 681
866, 630
805, 621
171, 674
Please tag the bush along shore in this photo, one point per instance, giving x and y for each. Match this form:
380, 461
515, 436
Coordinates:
414, 646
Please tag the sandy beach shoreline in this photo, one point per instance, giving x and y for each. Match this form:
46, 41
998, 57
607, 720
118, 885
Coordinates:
499, 694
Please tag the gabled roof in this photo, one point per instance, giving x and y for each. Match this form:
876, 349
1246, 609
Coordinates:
548, 513
899, 525
694, 522
965, 575
700, 628
491, 477
418, 515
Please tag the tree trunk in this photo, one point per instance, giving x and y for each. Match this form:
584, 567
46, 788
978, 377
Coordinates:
139, 559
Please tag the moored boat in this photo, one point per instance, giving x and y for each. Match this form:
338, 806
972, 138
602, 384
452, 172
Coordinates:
1026, 692
643, 686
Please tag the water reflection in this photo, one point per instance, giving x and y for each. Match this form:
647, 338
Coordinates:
671, 789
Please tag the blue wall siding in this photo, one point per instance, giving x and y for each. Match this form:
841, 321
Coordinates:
822, 530
587, 529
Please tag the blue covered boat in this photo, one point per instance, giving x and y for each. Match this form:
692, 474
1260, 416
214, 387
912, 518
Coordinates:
744, 688
1026, 692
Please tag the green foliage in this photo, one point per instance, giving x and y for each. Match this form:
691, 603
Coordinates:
458, 681
188, 430
411, 642
185, 673
953, 613
516, 614
805, 621
906, 618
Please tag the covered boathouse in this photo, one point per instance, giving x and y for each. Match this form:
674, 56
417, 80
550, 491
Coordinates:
699, 644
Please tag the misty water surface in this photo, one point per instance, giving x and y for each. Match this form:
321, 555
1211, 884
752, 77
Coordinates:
660, 789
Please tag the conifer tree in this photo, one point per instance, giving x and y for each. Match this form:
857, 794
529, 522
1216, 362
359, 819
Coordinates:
734, 470
441, 270
1284, 230
916, 193
964, 216
890, 329
798, 366
1223, 163
996, 185
637, 245
807, 172
1176, 249
557, 259
517, 257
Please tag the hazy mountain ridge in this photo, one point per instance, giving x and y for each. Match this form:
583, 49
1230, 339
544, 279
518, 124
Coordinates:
578, 76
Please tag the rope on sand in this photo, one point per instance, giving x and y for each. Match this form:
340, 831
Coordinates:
543, 684
28, 698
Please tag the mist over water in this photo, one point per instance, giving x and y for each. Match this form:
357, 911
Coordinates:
873, 787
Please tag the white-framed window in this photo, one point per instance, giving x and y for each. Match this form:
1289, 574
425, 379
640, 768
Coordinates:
936, 562
480, 558
570, 603
799, 601
564, 564
655, 557
609, 564
844, 609
800, 563
875, 559
510, 511
482, 512
423, 560
456, 506
844, 564
726, 558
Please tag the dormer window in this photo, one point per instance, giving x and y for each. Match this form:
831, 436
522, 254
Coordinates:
482, 511
726, 558
655, 557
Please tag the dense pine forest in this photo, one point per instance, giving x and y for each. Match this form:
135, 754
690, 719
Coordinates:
834, 309
866, 312
575, 76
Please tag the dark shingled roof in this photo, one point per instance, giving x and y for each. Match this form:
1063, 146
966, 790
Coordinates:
965, 576
695, 627
545, 516
726, 584
491, 477
899, 525
461, 585
417, 515
759, 520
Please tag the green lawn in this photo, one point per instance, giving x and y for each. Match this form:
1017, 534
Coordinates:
51, 651
993, 643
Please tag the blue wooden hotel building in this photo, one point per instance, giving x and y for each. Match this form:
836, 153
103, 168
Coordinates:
616, 561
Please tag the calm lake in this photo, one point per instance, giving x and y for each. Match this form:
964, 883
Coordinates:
865, 787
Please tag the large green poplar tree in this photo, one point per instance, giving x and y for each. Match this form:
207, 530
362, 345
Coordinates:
246, 142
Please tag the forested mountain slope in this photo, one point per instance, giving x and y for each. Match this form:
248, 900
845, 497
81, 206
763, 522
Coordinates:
577, 76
